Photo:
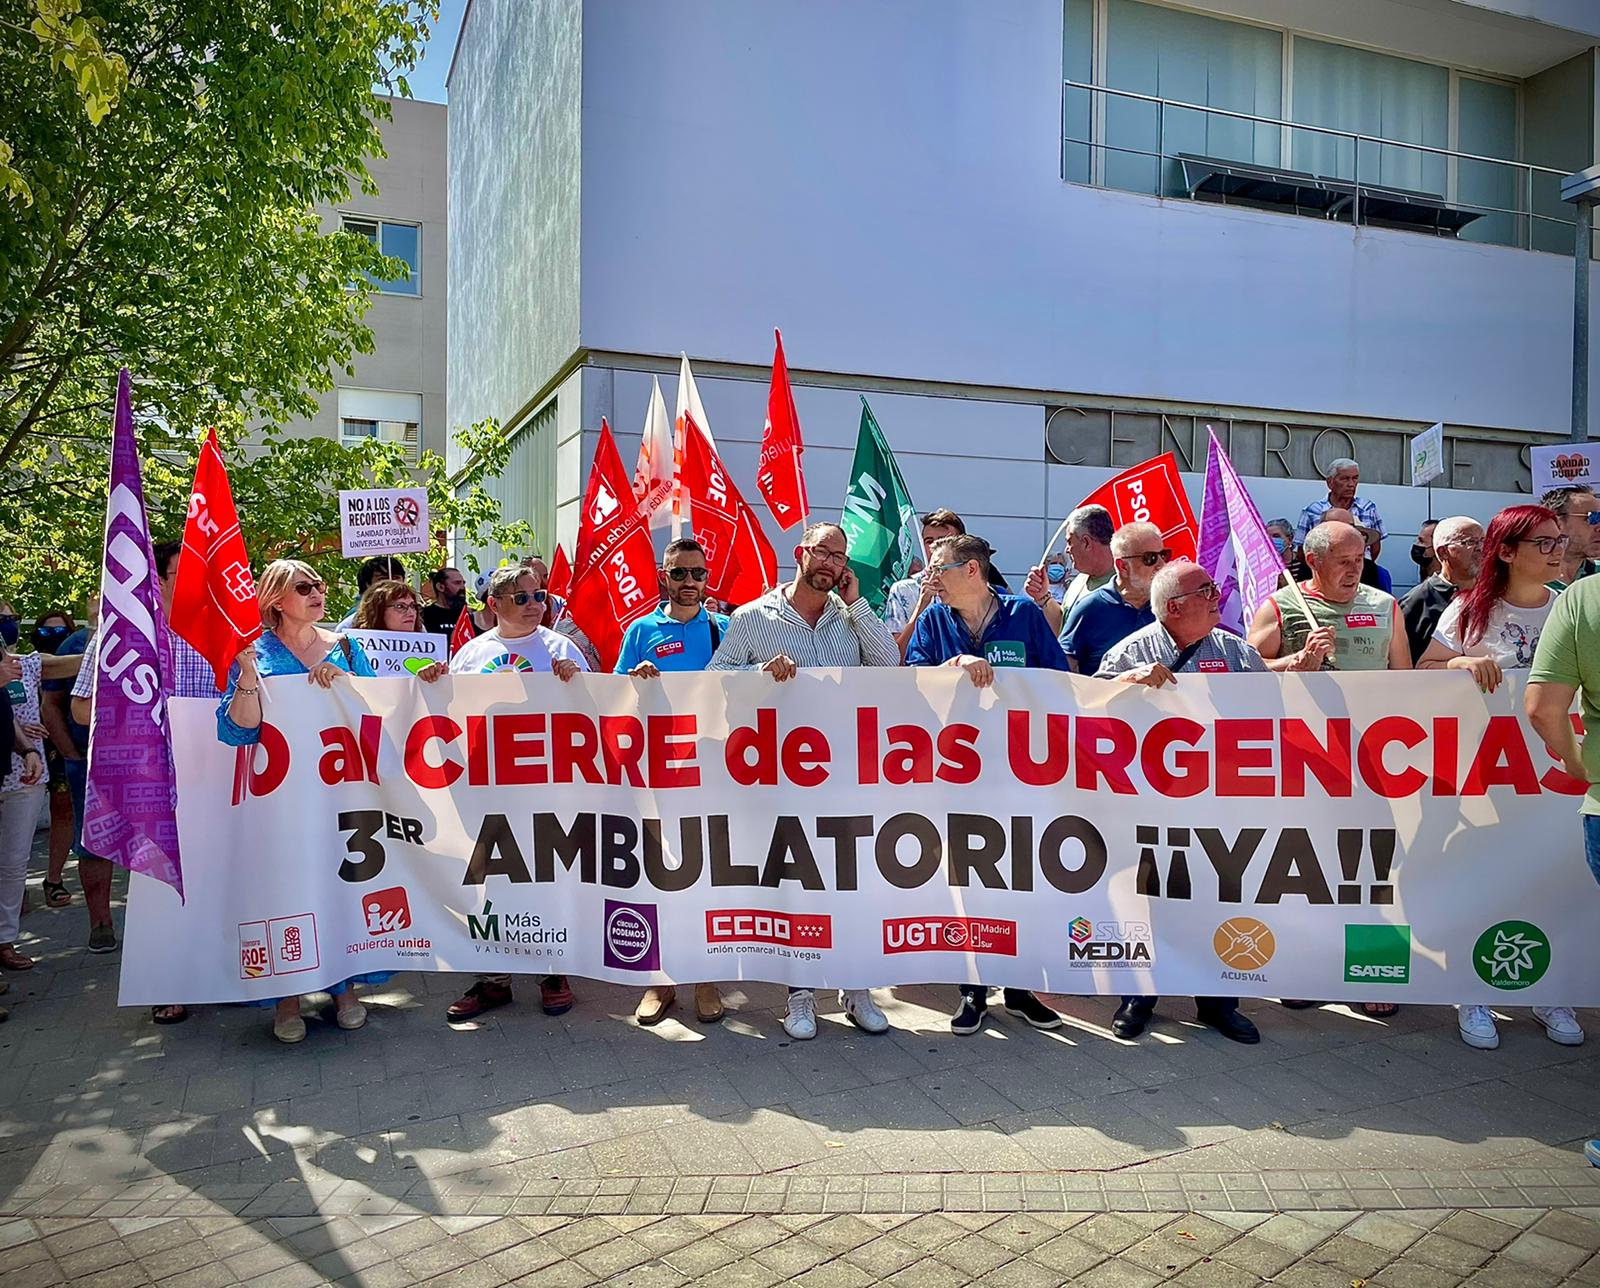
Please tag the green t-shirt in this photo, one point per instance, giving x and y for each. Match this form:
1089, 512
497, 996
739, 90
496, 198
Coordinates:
1362, 628
1569, 653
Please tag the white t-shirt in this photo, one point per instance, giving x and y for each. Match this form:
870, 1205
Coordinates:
1509, 638
27, 711
524, 653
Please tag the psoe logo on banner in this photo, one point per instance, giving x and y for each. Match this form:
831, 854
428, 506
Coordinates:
757, 926
1108, 943
1511, 955
282, 946
1377, 954
1244, 945
386, 911
950, 935
255, 959
632, 939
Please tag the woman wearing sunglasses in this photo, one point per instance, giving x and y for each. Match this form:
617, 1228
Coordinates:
293, 599
1486, 631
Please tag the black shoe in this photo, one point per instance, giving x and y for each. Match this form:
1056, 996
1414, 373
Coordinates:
969, 1019
1130, 1019
1020, 1002
1232, 1025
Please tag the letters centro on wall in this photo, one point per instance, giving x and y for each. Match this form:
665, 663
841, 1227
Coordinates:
867, 828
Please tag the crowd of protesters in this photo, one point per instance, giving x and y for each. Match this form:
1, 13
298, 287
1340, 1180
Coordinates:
1515, 594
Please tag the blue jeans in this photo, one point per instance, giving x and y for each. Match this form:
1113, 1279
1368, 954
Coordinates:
1591, 842
77, 774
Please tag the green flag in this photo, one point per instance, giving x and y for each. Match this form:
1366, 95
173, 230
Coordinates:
879, 520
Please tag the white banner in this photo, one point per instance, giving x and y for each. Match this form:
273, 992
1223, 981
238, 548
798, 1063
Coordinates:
1563, 465
383, 521
402, 652
1427, 455
1360, 837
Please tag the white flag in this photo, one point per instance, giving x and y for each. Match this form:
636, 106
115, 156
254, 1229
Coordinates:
655, 476
689, 405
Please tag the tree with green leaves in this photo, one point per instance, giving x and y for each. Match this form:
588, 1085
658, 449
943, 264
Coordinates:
161, 217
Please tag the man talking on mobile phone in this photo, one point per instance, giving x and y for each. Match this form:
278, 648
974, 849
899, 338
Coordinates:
819, 619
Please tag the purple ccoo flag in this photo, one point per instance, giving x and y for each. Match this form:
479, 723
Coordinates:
130, 809
1234, 545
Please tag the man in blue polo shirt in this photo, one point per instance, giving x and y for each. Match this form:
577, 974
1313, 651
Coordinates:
1107, 616
975, 627
679, 636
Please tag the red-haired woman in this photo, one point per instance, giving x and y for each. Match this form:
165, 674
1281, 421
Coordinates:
1489, 630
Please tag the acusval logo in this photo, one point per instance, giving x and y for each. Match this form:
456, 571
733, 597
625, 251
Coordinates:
1244, 945
1377, 954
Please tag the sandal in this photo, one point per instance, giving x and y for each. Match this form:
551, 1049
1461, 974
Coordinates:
1379, 1010
56, 894
175, 1014
11, 959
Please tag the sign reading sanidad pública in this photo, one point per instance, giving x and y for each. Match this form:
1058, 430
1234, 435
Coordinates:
383, 521
1564, 465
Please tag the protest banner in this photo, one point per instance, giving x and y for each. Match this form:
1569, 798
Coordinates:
1563, 465
402, 652
1427, 455
383, 521
1326, 836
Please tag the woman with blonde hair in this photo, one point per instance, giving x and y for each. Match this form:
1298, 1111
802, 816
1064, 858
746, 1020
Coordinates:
292, 598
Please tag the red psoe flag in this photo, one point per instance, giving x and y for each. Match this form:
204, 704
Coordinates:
742, 563
614, 572
1152, 492
779, 478
464, 632
214, 601
560, 573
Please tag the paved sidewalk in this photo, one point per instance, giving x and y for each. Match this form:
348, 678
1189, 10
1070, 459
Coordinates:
578, 1149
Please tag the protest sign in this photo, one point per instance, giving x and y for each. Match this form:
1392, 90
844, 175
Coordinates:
1427, 455
1327, 836
402, 652
383, 521
1563, 465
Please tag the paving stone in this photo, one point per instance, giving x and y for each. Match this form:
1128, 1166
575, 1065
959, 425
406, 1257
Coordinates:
1299, 1233
1570, 1227
1067, 1254
1550, 1255
1440, 1250
1350, 1255
927, 1273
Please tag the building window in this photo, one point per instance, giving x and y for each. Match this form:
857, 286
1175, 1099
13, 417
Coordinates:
378, 414
399, 241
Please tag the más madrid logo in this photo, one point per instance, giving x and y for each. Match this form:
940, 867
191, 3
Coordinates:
757, 926
1511, 955
1244, 945
632, 940
1104, 943
950, 935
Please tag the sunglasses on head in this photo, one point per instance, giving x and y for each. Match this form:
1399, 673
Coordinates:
1150, 558
681, 574
303, 588
523, 596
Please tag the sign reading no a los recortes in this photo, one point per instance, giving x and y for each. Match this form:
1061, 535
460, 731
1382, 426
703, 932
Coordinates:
383, 521
1564, 465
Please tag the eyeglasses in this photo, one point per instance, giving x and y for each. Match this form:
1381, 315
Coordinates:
823, 555
1150, 558
682, 574
521, 598
1547, 545
304, 588
939, 569
406, 606
1592, 517
1208, 591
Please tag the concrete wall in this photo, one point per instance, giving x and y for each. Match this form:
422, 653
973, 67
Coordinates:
514, 141
882, 181
409, 331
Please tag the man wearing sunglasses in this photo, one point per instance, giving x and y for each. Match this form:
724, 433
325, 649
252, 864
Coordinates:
1107, 616
1184, 637
679, 636
516, 643
974, 627
1579, 509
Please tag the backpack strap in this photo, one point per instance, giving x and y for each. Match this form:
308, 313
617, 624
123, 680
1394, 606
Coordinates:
716, 631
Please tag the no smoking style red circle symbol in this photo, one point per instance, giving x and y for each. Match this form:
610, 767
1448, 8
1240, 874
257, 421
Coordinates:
406, 512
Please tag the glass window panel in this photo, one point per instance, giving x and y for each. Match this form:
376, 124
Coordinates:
1373, 94
1487, 126
403, 241
1171, 54
1077, 105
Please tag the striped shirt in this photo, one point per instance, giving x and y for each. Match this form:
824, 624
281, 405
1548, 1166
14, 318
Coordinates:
843, 636
191, 675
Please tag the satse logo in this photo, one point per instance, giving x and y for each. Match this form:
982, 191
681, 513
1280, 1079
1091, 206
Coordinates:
949, 934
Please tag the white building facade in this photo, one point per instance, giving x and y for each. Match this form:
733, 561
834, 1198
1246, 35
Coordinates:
1045, 238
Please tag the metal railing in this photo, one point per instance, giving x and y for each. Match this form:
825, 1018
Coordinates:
1361, 173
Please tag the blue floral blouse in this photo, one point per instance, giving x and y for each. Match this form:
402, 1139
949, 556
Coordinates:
274, 658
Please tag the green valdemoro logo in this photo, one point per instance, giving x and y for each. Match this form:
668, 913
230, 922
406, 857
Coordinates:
1511, 955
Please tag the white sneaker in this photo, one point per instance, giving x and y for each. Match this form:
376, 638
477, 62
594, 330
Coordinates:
863, 1011
801, 1021
1477, 1027
1560, 1024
